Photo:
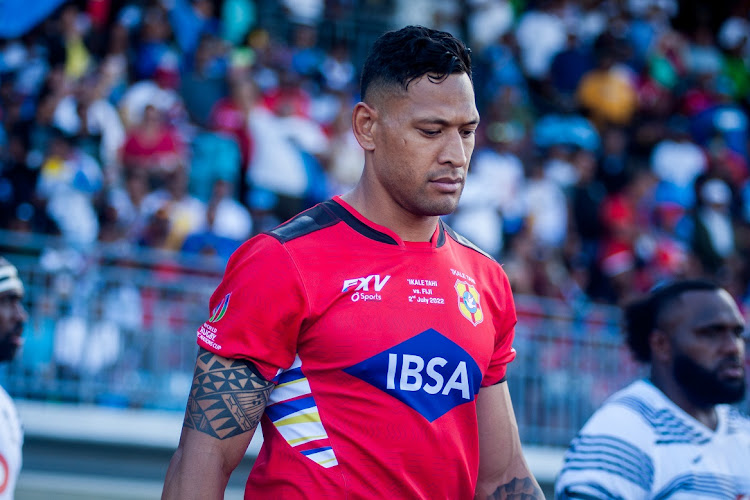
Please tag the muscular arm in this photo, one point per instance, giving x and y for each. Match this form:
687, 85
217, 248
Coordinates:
226, 401
503, 472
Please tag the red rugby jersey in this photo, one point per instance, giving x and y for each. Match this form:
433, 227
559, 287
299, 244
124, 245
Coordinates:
378, 348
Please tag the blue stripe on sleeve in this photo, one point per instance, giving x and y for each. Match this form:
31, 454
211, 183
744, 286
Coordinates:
280, 410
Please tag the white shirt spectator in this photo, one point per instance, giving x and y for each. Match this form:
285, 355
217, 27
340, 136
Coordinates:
277, 163
102, 119
541, 35
562, 172
232, 220
678, 162
489, 20
145, 93
547, 211
69, 186
734, 33
492, 191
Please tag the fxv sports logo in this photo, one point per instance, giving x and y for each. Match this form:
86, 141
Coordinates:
361, 287
429, 372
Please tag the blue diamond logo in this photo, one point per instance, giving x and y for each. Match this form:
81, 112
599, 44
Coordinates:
429, 372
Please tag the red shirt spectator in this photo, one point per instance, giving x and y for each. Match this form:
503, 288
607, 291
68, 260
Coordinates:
231, 115
152, 144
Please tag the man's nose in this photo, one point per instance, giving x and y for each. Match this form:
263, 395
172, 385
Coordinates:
20, 312
733, 344
454, 150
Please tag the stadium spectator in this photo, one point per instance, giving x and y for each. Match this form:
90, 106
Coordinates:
547, 209
541, 34
231, 115
345, 161
568, 67
284, 172
677, 161
734, 38
152, 42
205, 83
491, 203
673, 434
607, 92
228, 225
93, 120
159, 91
173, 212
69, 179
123, 217
153, 145
713, 236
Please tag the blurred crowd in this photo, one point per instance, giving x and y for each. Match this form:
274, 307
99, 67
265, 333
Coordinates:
612, 153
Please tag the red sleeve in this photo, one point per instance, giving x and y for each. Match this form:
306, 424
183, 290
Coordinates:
257, 310
504, 321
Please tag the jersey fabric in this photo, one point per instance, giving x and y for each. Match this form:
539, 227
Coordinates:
11, 442
640, 445
378, 348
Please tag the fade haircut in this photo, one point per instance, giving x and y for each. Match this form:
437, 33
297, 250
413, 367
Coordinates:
397, 58
644, 315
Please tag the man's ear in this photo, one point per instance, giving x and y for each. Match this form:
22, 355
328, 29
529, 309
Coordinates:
661, 347
364, 120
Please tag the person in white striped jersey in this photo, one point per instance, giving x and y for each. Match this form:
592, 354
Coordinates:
12, 319
674, 434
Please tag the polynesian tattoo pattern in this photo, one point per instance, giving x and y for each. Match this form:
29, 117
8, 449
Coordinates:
227, 398
518, 489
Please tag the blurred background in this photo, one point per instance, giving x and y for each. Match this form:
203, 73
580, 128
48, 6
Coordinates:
142, 141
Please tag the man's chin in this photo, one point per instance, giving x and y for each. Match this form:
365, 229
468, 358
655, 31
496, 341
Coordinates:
8, 351
731, 390
708, 387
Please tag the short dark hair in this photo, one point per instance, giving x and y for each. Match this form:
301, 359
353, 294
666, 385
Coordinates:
399, 57
642, 316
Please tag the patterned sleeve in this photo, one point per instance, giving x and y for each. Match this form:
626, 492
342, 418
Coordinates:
504, 322
257, 310
609, 459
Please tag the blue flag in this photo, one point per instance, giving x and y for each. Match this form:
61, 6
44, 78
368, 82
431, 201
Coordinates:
19, 16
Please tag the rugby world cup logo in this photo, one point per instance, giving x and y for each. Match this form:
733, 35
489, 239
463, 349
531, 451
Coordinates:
468, 302
220, 310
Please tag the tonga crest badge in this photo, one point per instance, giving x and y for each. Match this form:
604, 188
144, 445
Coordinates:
468, 302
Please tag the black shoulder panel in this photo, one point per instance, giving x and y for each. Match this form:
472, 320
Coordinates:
313, 219
463, 241
321, 216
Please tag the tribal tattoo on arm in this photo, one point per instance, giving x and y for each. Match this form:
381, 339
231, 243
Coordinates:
518, 489
227, 398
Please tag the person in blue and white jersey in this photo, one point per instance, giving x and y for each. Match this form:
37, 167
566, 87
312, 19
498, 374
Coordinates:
674, 434
12, 319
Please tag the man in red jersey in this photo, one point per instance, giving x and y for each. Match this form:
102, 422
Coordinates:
366, 336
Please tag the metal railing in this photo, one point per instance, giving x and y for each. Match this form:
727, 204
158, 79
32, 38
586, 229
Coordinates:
568, 362
115, 327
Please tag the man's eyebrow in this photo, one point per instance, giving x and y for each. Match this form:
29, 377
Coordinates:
442, 121
719, 324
